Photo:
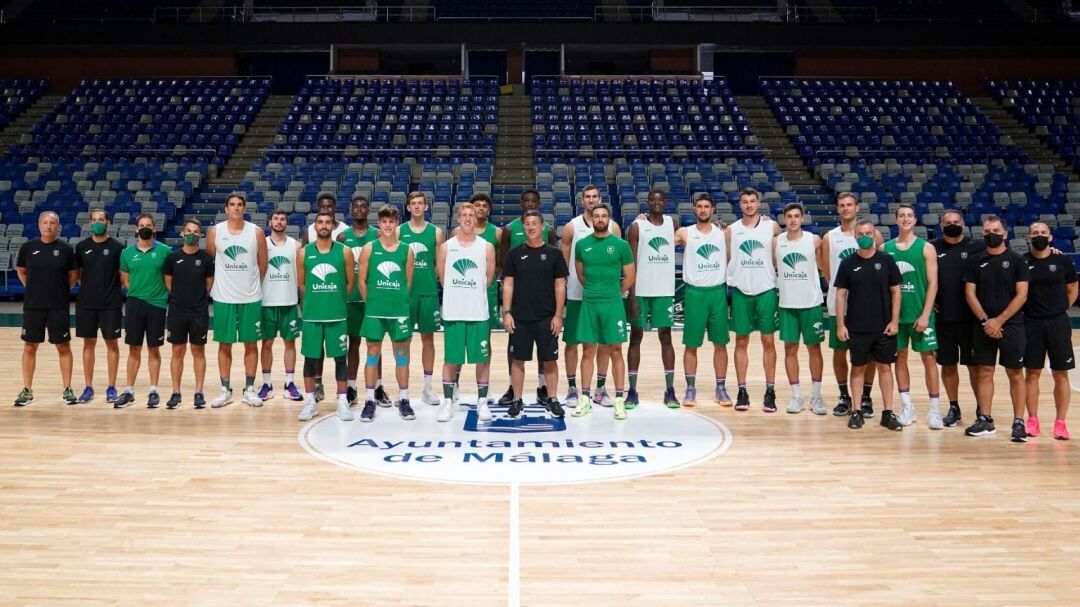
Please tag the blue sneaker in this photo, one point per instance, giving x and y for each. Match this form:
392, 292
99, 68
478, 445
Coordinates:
632, 399
111, 395
572, 396
292, 393
87, 395
266, 392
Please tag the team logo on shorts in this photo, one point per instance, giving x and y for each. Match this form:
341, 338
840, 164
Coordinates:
343, 341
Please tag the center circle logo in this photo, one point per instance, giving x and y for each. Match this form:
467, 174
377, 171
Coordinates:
534, 448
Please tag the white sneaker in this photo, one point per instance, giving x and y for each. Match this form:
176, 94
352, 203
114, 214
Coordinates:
343, 411
308, 412
223, 398
907, 414
429, 398
817, 405
482, 410
251, 397
796, 404
446, 411
602, 398
933, 419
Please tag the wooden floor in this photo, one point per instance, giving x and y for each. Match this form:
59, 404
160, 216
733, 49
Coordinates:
224, 507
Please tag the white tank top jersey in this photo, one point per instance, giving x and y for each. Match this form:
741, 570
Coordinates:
840, 246
311, 235
279, 284
705, 259
236, 264
574, 290
751, 269
465, 285
655, 259
797, 272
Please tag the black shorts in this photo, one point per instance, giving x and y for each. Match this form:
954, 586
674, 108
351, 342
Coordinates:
1049, 337
89, 322
188, 328
1007, 351
538, 332
144, 322
954, 342
877, 347
36, 321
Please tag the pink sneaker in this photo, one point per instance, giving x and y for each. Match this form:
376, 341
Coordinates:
1032, 426
1060, 431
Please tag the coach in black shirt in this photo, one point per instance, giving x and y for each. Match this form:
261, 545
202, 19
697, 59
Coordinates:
46, 267
189, 276
996, 289
1051, 292
534, 308
98, 304
868, 316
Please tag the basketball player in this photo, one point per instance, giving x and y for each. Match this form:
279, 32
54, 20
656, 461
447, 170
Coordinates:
279, 305
705, 300
142, 274
189, 278
355, 237
1051, 292
97, 306
652, 242
239, 251
752, 273
46, 267
997, 288
800, 305
606, 267
386, 270
324, 268
917, 261
867, 318
325, 203
578, 228
466, 266
424, 239
837, 245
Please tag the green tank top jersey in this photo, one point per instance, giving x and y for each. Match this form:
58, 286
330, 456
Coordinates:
387, 288
422, 244
324, 283
913, 281
517, 233
356, 243
489, 235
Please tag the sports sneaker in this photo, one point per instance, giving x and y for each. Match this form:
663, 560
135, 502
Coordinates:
174, 401
620, 409
890, 421
404, 409
266, 392
251, 397
952, 417
632, 399
742, 400
320, 392
382, 398
867, 408
368, 412
507, 397
153, 401
1032, 426
541, 394
292, 392
572, 396
933, 418
200, 400
483, 412
111, 395
25, 398
69, 396
602, 398
855, 420
223, 398
87, 395
555, 408
308, 412
515, 408
843, 407
669, 399
351, 395
125, 400
343, 411
584, 406
817, 405
1060, 431
796, 404
690, 398
446, 411
983, 426
769, 404
722, 396
428, 397
907, 414
1019, 432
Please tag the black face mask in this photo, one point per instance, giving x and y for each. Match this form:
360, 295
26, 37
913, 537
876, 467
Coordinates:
146, 233
1040, 243
993, 240
953, 230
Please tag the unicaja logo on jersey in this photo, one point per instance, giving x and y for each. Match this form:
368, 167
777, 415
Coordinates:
792, 260
388, 269
322, 271
417, 249
656, 244
906, 284
706, 252
233, 253
278, 263
462, 266
749, 247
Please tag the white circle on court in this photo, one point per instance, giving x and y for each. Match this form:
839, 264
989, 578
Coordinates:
533, 449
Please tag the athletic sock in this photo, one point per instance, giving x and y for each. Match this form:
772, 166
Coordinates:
403, 393
541, 381
769, 386
378, 382
618, 393
153, 389
815, 390
427, 381
720, 381
266, 378
225, 383
600, 381
691, 379
448, 389
370, 392
905, 397
289, 377
669, 378
843, 390
935, 403
482, 389
796, 391
309, 397
352, 383
633, 379
866, 390
128, 390
249, 381
571, 382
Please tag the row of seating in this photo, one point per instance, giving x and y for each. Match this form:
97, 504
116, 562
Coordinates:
1051, 109
17, 95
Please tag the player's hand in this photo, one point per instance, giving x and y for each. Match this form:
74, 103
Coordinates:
993, 327
891, 328
508, 323
921, 323
842, 333
556, 325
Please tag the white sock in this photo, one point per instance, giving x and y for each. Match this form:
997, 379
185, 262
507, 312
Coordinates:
935, 404
905, 399
378, 382
153, 389
352, 384
427, 382
403, 394
371, 394
342, 398
795, 391
816, 389
541, 381
266, 378
130, 389
309, 397
289, 378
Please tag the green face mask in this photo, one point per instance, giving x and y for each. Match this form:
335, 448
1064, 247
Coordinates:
191, 239
865, 242
97, 228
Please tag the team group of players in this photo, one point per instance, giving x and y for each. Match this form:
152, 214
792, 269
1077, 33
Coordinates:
956, 301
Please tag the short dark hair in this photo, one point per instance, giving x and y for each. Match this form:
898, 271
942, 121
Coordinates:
903, 205
864, 222
360, 197
792, 206
591, 187
992, 218
278, 212
531, 213
325, 214
530, 192
108, 218
240, 195
325, 196
956, 212
704, 196
480, 197
657, 192
389, 211
146, 216
750, 192
602, 205
843, 195
193, 220
412, 195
